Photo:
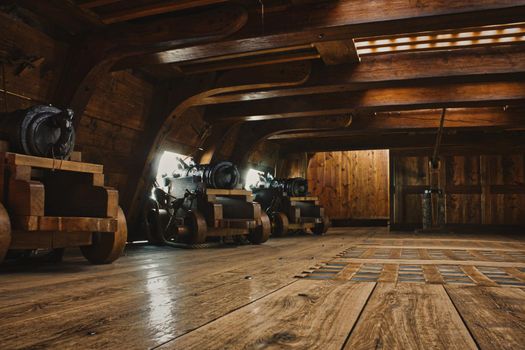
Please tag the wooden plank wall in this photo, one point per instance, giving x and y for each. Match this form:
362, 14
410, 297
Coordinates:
113, 123
293, 165
26, 87
480, 189
351, 184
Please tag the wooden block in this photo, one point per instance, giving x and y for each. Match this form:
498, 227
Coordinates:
234, 192
20, 172
303, 199
71, 239
98, 180
49, 240
26, 223
75, 156
26, 198
48, 163
77, 224
216, 213
112, 200
31, 240
257, 210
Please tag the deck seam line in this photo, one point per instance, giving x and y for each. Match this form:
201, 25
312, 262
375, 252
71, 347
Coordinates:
359, 316
461, 317
226, 314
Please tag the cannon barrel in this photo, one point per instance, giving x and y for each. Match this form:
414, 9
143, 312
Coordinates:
43, 131
221, 175
295, 187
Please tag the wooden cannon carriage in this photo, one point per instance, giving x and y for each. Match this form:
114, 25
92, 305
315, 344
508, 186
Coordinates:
204, 202
289, 206
50, 203
54, 204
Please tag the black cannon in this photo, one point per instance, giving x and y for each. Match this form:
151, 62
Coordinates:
43, 131
202, 201
288, 204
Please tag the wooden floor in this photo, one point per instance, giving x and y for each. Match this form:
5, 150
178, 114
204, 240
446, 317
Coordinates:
352, 289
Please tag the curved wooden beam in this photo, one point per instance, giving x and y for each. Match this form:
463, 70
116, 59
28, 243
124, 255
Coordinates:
176, 113
419, 121
92, 58
395, 70
508, 89
250, 135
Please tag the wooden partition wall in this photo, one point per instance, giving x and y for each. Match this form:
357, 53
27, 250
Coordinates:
351, 185
480, 189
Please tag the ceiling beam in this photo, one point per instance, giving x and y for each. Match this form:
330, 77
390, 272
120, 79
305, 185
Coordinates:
92, 58
394, 70
486, 141
341, 20
89, 4
413, 121
157, 8
478, 94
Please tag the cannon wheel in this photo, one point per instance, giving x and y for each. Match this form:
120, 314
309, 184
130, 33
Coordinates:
320, 229
197, 227
261, 233
107, 246
280, 224
5, 232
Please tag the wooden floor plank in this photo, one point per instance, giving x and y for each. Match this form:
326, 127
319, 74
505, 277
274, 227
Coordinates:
304, 315
410, 316
495, 316
160, 308
154, 294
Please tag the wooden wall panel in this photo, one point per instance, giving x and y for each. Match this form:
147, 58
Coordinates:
294, 165
19, 42
113, 123
480, 189
351, 184
506, 193
121, 99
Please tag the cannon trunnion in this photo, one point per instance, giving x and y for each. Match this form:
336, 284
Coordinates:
289, 206
203, 203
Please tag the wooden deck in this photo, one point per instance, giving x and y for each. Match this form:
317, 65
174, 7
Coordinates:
352, 289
